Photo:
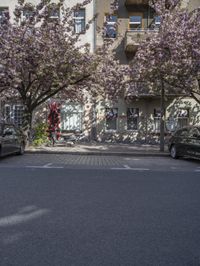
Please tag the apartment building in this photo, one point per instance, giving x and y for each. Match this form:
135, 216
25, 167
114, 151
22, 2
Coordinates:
73, 115
133, 118
136, 117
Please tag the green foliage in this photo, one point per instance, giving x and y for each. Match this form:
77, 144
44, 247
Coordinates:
40, 134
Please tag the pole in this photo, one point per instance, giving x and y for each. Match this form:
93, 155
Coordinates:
162, 119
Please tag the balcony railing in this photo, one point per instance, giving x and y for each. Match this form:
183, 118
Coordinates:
136, 2
134, 37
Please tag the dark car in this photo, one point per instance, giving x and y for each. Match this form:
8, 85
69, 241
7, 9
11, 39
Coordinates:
185, 142
12, 140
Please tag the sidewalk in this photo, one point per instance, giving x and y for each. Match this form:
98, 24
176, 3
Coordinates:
101, 149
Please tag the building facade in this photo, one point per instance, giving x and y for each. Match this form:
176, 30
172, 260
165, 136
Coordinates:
73, 115
133, 118
136, 118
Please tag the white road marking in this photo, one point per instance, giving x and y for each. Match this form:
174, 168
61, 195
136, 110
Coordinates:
46, 166
131, 159
126, 167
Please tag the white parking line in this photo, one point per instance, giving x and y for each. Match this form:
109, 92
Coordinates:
46, 166
126, 167
131, 159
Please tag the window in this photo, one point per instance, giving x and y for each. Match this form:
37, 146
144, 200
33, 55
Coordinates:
9, 130
28, 11
182, 133
4, 14
132, 118
55, 12
79, 21
71, 117
183, 117
110, 26
111, 118
14, 114
27, 14
157, 116
18, 113
157, 20
135, 22
194, 133
7, 113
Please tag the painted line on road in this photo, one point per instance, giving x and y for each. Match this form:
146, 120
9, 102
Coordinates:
131, 159
126, 167
46, 166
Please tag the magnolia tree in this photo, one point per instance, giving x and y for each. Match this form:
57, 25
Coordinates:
170, 57
41, 56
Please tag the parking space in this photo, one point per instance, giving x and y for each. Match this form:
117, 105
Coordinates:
100, 162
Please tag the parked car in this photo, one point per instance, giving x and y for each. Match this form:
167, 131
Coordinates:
185, 142
12, 140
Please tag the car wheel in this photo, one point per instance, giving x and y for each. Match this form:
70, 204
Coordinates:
173, 152
22, 149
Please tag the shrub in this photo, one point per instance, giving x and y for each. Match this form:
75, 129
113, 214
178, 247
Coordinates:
40, 134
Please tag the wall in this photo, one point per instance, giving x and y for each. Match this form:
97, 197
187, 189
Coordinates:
85, 38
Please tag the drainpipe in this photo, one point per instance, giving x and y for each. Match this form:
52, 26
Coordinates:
94, 26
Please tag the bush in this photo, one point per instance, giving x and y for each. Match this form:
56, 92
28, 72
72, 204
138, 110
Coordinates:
40, 134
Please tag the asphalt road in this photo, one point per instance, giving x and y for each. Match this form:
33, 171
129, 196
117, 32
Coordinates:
99, 211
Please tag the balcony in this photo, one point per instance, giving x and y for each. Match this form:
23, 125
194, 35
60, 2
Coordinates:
136, 2
133, 38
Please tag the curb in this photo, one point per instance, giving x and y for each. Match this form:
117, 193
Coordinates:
99, 153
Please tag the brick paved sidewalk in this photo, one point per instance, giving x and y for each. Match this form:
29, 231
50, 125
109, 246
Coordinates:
101, 149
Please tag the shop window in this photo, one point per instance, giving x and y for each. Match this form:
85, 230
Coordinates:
79, 21
111, 118
132, 118
110, 26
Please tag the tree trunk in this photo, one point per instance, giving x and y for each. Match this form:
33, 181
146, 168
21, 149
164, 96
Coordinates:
162, 119
27, 124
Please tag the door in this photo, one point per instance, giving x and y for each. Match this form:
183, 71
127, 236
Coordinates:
194, 142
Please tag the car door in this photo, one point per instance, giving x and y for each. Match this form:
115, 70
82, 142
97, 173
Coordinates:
194, 142
7, 139
181, 140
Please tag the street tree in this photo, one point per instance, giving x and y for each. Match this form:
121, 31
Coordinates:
41, 56
170, 57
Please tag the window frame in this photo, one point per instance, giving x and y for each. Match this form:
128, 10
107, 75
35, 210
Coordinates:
136, 114
156, 118
183, 117
80, 19
136, 14
11, 117
3, 11
116, 119
110, 23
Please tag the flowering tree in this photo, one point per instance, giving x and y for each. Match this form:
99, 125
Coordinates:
39, 54
170, 58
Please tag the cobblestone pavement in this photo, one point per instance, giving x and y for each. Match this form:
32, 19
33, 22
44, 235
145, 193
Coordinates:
99, 162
